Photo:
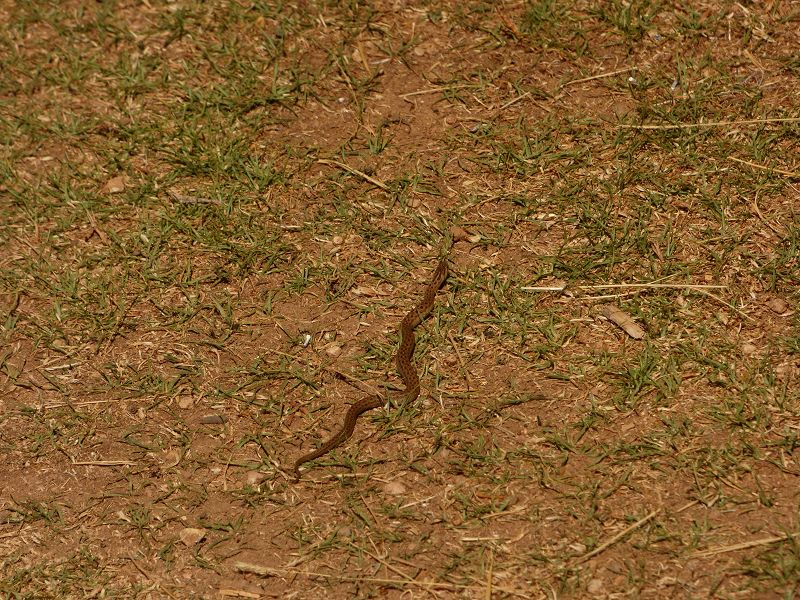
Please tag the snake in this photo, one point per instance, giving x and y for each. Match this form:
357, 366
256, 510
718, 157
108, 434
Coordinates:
405, 369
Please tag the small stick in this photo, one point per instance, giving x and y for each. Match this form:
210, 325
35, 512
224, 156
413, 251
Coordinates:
515, 100
677, 286
743, 545
712, 124
104, 463
489, 573
192, 199
460, 360
84, 403
437, 89
356, 383
625, 532
622, 320
429, 585
731, 306
600, 76
617, 537
350, 169
764, 168
757, 210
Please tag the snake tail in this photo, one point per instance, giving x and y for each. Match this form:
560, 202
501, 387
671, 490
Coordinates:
405, 368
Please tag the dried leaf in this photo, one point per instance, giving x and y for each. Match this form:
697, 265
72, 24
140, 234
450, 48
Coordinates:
622, 320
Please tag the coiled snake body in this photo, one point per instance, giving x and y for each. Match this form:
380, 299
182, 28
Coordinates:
404, 367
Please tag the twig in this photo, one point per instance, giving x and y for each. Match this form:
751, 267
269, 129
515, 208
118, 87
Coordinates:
712, 124
743, 545
390, 567
731, 306
234, 593
460, 360
617, 537
514, 100
350, 169
625, 532
703, 289
765, 168
192, 199
431, 585
356, 383
489, 573
605, 286
757, 210
600, 76
86, 403
443, 88
104, 463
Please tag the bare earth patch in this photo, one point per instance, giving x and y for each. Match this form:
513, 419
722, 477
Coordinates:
214, 216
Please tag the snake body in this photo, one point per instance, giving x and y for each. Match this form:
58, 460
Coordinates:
405, 368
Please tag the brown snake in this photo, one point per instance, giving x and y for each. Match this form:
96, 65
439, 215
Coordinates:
404, 367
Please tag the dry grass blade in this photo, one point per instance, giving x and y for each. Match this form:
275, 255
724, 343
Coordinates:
791, 174
599, 76
710, 124
743, 545
401, 583
607, 544
103, 463
350, 169
644, 286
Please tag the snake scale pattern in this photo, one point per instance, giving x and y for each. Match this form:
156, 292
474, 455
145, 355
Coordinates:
406, 369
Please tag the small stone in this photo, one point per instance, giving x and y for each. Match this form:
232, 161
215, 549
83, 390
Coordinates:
394, 488
115, 185
171, 459
345, 532
749, 349
783, 371
191, 536
253, 478
595, 586
778, 305
460, 235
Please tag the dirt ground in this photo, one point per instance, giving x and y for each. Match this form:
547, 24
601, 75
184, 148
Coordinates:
214, 216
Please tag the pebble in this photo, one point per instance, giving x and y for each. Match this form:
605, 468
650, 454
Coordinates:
394, 488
